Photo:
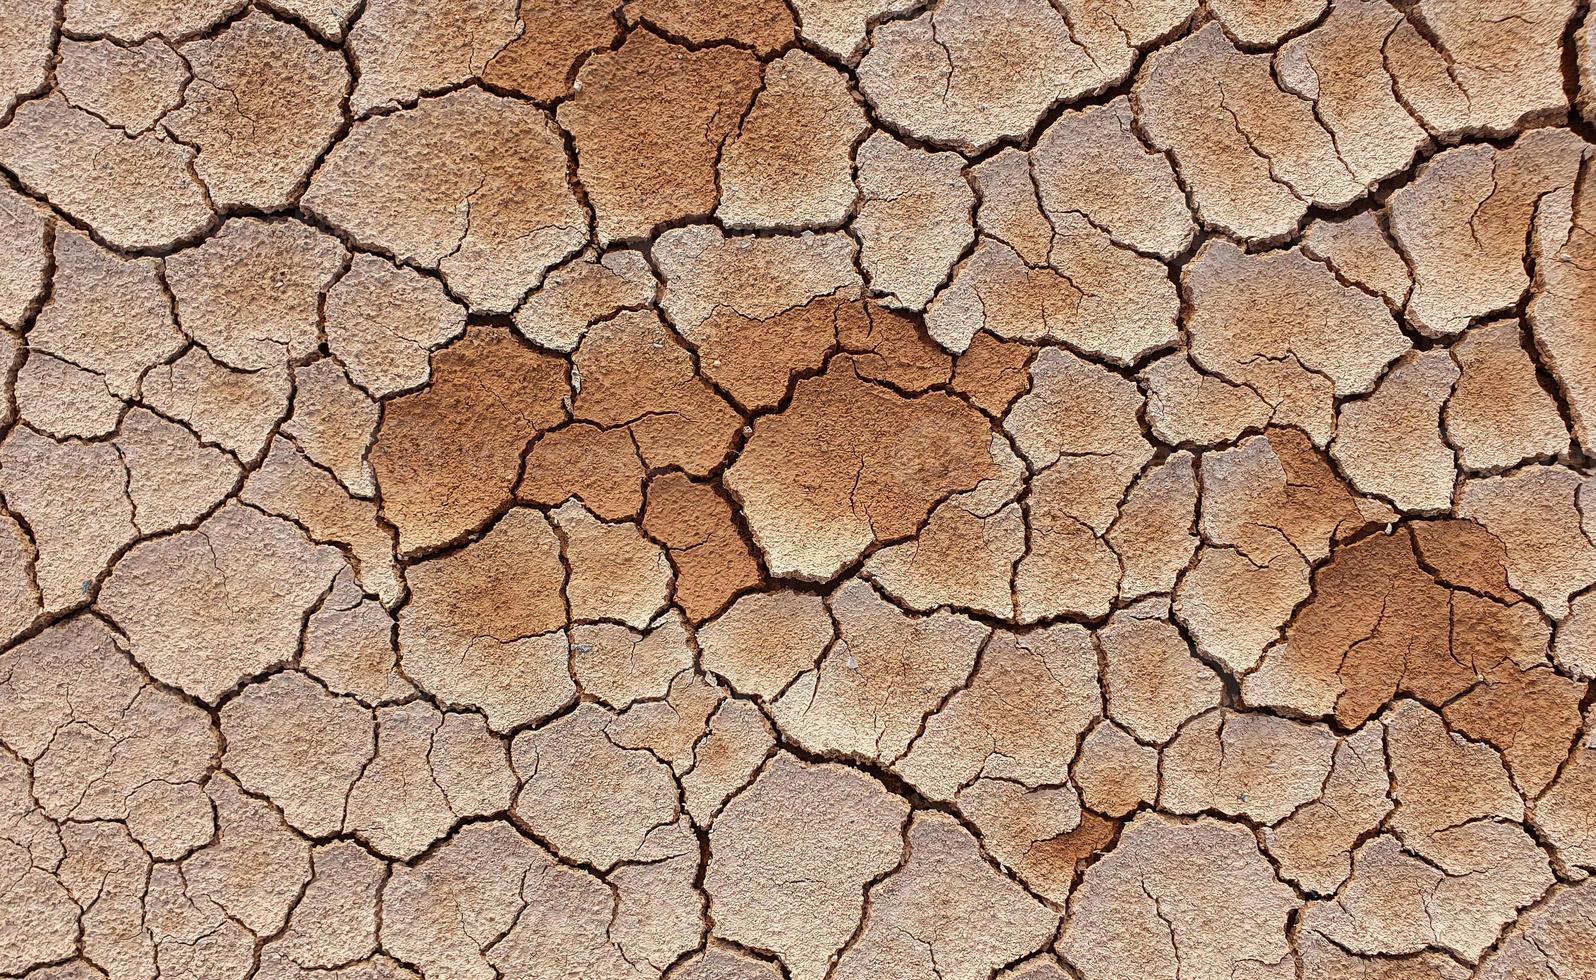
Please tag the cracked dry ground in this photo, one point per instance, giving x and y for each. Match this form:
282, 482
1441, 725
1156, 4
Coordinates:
825, 490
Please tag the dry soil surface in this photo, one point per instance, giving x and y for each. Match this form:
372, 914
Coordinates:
797, 489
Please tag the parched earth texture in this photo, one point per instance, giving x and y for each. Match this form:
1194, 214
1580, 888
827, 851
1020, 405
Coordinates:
807, 489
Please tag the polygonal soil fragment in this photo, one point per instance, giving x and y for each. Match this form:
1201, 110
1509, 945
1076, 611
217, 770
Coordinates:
871, 692
1390, 444
765, 849
582, 292
964, 555
659, 913
1379, 626
893, 348
1549, 941
336, 920
670, 728
106, 315
1340, 69
615, 573
236, 410
598, 466
850, 464
1575, 646
64, 401
1116, 773
1563, 253
914, 219
251, 293
737, 739
447, 456
1530, 716
969, 74
1093, 163
460, 911
132, 87
1252, 765
481, 628
1282, 325
349, 646
758, 310
1271, 508
206, 608
1187, 406
383, 321
255, 870
1539, 513
945, 912
261, 108
697, 525
1254, 157
1097, 297
301, 747
25, 50
404, 50
1076, 408
1264, 23
631, 109
1441, 780
135, 192
1499, 415
1153, 537
104, 744
1482, 67
1360, 250
1180, 900
1008, 206
767, 639
592, 800
790, 164
555, 37
333, 423
22, 266
1463, 222
171, 478
632, 372
71, 496
620, 666
720, 962
1314, 844
468, 184
1016, 720
425, 773
1561, 815
1153, 681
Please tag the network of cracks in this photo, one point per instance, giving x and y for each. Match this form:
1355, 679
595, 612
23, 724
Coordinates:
807, 489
